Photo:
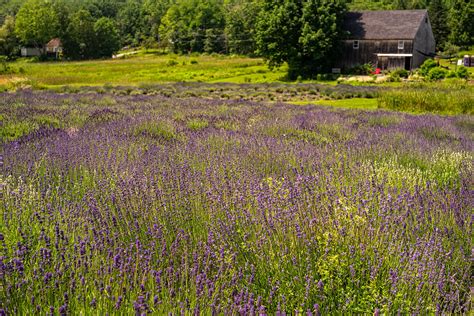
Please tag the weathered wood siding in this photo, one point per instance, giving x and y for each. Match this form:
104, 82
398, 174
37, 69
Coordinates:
424, 43
368, 50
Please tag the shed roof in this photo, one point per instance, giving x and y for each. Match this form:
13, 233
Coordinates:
55, 42
380, 25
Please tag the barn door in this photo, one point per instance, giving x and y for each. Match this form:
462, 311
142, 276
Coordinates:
407, 63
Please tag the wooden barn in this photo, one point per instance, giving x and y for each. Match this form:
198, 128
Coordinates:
387, 39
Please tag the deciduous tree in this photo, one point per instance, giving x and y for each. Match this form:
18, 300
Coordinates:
461, 22
8, 39
106, 37
36, 23
304, 34
79, 41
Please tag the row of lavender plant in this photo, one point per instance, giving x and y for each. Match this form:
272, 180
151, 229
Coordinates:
146, 204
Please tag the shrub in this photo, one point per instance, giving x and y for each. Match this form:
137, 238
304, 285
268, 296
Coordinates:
437, 73
4, 67
393, 77
365, 69
462, 73
401, 73
451, 74
427, 66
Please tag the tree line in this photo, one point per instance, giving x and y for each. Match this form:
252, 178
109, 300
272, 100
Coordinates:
293, 31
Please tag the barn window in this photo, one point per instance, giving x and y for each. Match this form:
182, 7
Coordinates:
401, 44
355, 45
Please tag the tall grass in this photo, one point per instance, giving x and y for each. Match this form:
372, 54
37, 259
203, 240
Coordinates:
434, 98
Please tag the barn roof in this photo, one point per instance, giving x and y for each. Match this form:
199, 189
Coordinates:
380, 25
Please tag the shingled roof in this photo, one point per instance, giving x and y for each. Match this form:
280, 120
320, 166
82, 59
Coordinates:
380, 25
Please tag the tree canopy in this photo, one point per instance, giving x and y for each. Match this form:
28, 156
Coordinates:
36, 23
303, 33
8, 40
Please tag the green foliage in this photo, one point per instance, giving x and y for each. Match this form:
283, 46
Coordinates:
229, 26
439, 22
171, 63
302, 33
101, 8
4, 67
106, 37
131, 21
407, 171
427, 66
400, 72
86, 38
197, 124
436, 73
156, 129
371, 5
461, 72
186, 23
241, 19
79, 42
451, 50
14, 130
461, 22
365, 69
397, 74
8, 41
153, 11
36, 23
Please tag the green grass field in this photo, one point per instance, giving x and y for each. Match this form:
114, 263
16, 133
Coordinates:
142, 69
353, 103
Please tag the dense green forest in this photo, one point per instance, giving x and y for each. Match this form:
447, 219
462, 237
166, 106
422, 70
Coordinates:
290, 31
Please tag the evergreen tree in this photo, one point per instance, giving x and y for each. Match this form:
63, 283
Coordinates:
439, 22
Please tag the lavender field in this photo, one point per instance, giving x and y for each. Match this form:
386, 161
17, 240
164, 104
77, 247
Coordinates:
154, 204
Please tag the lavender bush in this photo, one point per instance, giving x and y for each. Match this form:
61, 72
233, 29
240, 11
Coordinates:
149, 204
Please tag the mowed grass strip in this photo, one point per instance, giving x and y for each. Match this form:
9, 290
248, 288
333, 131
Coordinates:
352, 103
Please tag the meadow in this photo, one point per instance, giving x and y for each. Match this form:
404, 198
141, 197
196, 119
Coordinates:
142, 68
132, 200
